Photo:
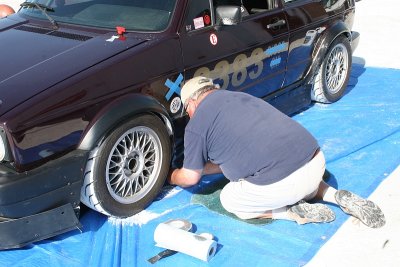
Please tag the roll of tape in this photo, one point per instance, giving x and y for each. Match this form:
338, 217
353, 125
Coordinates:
198, 246
180, 224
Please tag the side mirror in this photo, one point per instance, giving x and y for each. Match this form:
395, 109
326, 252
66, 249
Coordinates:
228, 15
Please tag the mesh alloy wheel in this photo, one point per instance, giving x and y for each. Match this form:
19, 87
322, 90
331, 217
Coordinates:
336, 68
333, 75
133, 165
127, 169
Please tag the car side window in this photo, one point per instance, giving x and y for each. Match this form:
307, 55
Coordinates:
198, 15
258, 6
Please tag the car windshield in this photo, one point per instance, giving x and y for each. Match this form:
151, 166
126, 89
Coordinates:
135, 15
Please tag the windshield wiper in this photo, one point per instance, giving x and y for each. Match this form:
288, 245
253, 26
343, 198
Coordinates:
43, 9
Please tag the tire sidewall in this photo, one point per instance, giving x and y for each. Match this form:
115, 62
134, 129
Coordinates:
108, 203
333, 97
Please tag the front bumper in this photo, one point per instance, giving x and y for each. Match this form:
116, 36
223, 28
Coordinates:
40, 203
51, 185
23, 231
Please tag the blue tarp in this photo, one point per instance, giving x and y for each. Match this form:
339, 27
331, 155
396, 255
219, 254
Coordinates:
360, 136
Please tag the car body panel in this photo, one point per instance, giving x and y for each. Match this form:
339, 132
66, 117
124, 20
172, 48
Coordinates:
89, 91
243, 54
42, 60
309, 21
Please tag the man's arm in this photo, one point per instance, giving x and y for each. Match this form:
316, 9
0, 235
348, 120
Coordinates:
184, 177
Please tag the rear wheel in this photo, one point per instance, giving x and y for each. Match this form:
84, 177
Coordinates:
333, 76
128, 169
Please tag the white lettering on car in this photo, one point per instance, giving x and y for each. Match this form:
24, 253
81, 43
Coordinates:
237, 72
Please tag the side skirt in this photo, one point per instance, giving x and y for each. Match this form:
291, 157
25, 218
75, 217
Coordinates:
291, 100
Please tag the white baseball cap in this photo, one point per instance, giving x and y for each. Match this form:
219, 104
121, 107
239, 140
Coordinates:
193, 85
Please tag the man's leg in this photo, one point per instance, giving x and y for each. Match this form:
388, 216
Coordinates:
278, 200
249, 205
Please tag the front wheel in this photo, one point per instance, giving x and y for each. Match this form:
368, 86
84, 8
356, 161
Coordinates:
333, 75
128, 169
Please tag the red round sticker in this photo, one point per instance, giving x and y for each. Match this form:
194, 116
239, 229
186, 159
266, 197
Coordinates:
213, 39
207, 19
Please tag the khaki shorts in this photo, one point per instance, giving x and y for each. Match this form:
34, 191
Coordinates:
247, 200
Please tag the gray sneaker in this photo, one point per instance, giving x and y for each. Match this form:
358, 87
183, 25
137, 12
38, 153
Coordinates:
304, 212
363, 209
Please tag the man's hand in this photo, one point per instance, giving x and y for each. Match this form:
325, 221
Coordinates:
184, 177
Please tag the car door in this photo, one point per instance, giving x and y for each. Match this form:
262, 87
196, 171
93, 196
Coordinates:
306, 20
249, 56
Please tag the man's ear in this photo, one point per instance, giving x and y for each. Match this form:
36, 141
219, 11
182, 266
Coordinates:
191, 106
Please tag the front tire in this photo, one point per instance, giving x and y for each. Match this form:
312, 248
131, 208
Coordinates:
128, 169
333, 76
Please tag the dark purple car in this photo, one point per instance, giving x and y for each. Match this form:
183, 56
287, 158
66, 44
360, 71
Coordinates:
89, 92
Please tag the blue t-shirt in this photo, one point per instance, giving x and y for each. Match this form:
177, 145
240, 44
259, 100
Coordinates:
247, 137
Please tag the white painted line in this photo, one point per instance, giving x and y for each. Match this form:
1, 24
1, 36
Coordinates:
357, 245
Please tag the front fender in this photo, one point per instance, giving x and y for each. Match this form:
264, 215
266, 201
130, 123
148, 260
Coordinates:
118, 111
323, 43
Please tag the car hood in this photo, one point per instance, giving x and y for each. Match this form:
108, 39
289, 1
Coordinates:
34, 59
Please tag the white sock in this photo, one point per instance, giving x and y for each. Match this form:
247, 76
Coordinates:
329, 195
280, 213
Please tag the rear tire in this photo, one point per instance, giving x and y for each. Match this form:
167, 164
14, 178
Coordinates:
127, 170
333, 76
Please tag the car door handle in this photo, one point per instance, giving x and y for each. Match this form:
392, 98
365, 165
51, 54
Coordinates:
280, 22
